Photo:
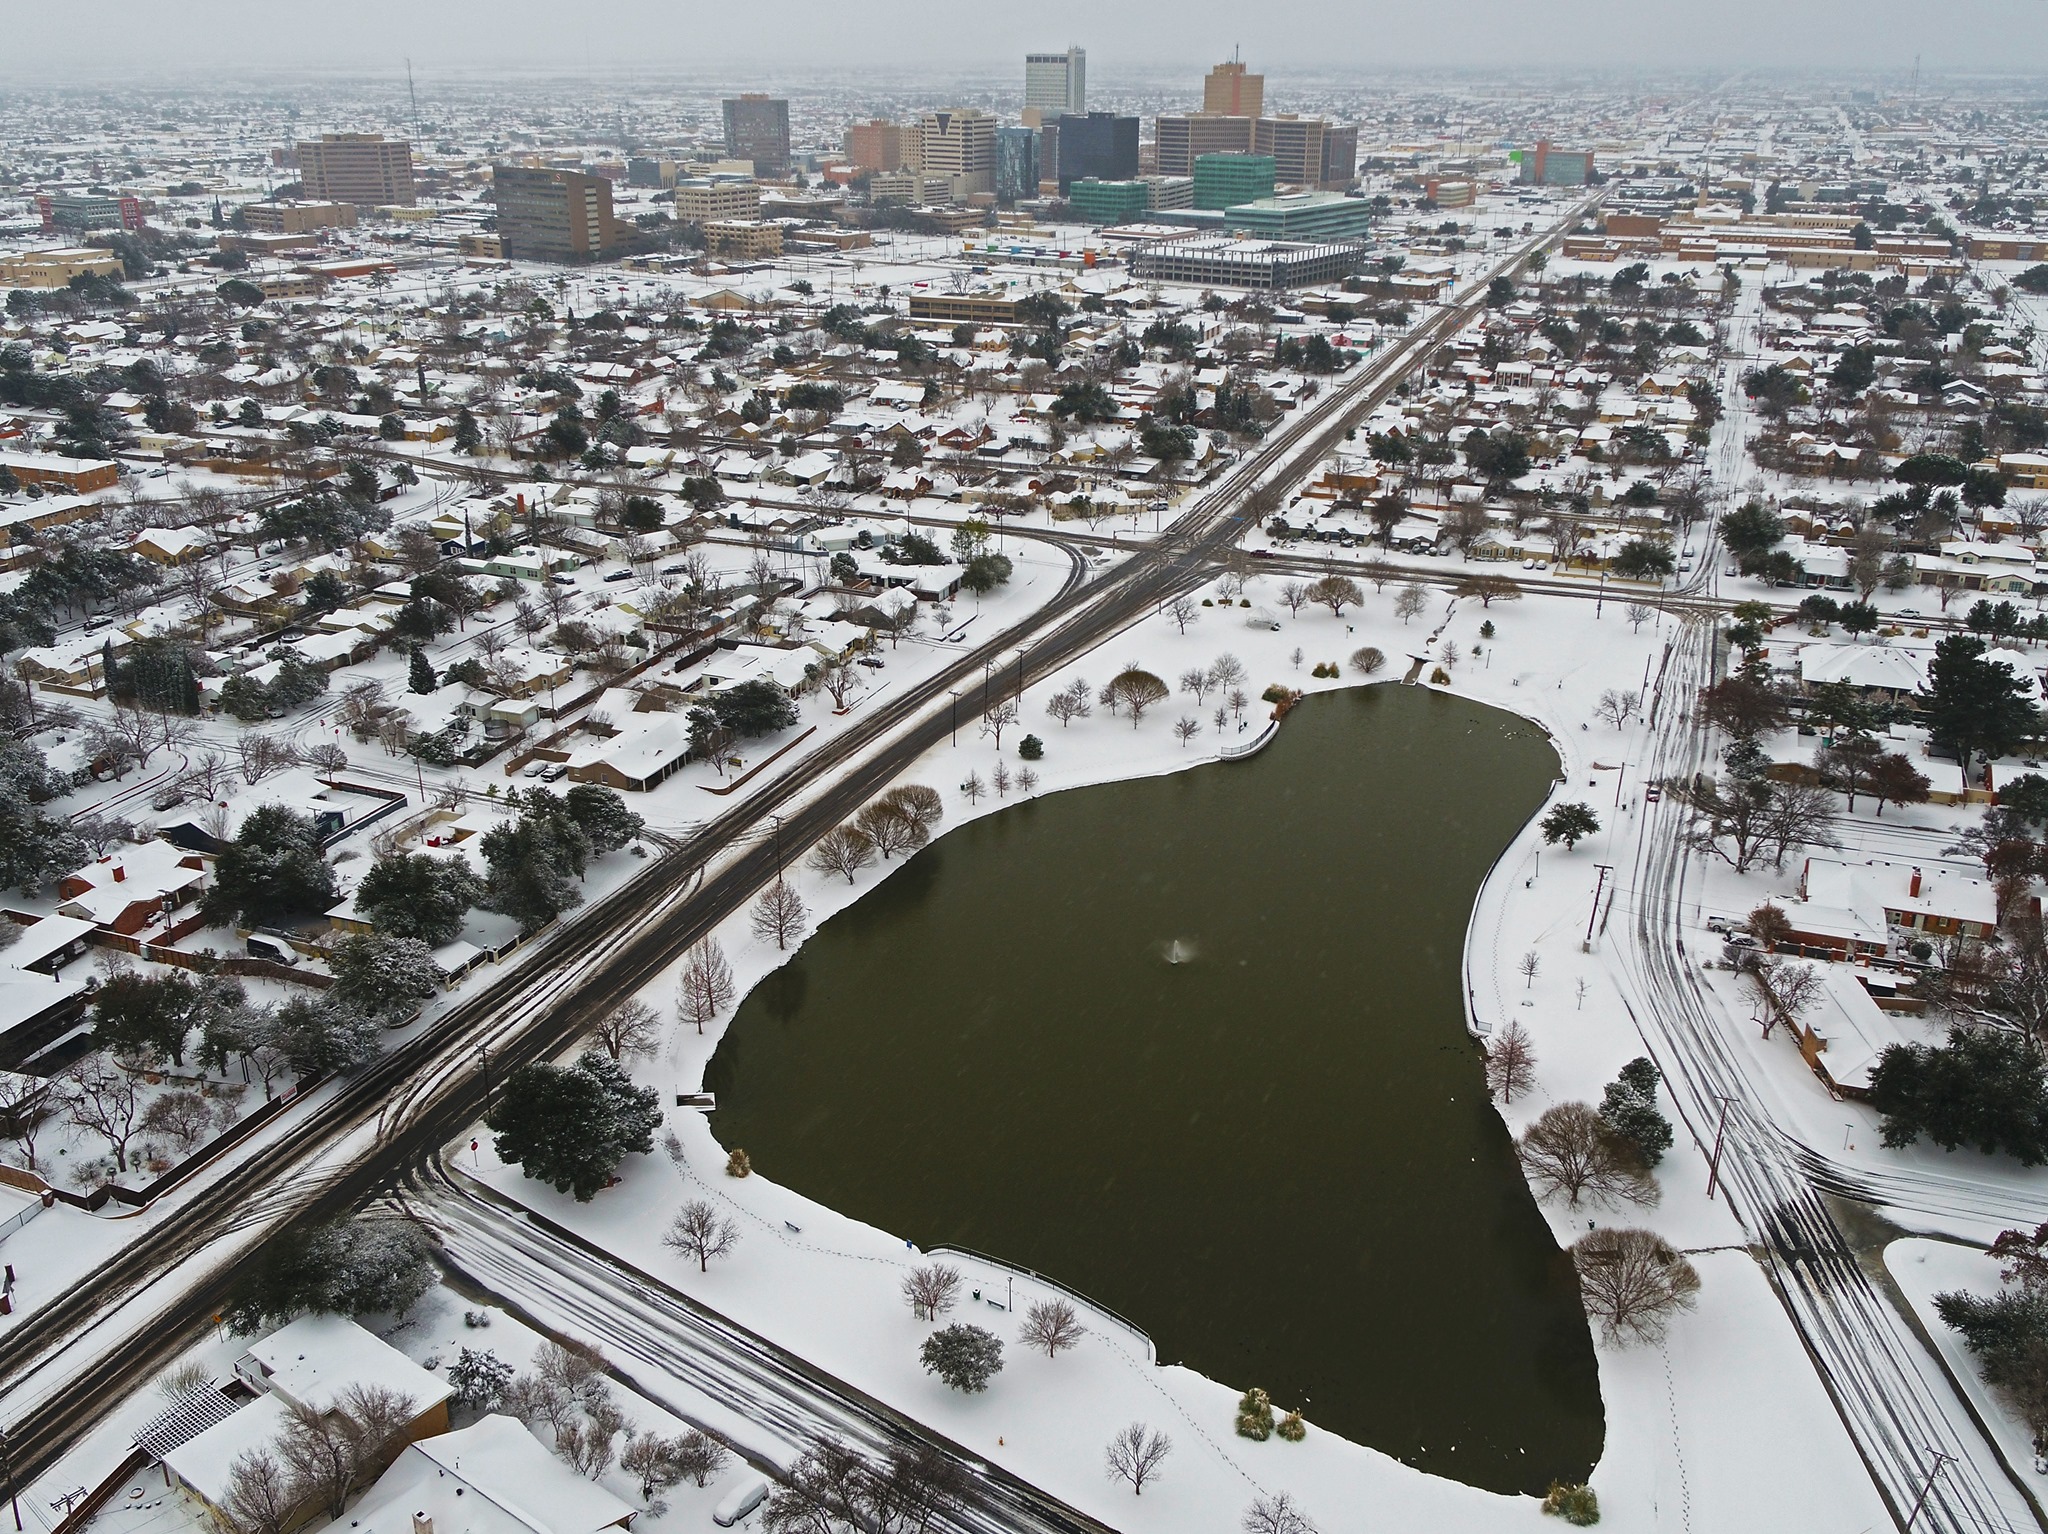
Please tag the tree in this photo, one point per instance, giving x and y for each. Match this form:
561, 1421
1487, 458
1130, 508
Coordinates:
330, 1452
1276, 1514
1070, 702
1510, 1063
601, 814
1750, 532
1630, 1110
1135, 1454
1489, 589
1569, 823
1984, 1088
261, 1494
699, 1231
1616, 707
630, 1028
383, 976
1644, 559
1294, 597
931, 1290
965, 1357
1186, 729
779, 915
842, 850
1570, 1150
571, 1126
318, 1036
534, 862
1182, 611
417, 895
1745, 706
1633, 1283
1368, 661
273, 869
103, 1100
1895, 780
705, 987
833, 1490
144, 1016
1974, 706
420, 674
1135, 690
1336, 592
1849, 765
1411, 600
1052, 1325
479, 1379
351, 1267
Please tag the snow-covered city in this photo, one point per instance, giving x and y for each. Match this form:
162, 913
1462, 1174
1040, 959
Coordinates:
1156, 772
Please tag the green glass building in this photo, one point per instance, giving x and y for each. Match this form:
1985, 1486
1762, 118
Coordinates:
1228, 180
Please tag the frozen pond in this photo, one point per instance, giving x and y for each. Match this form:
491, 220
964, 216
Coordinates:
1194, 1045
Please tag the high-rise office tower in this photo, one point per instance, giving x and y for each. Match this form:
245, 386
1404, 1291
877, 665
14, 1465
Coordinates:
875, 145
1229, 90
1185, 138
1101, 145
1016, 163
553, 215
757, 129
366, 169
958, 143
1056, 83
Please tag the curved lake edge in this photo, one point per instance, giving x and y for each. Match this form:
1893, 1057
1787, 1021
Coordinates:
1111, 770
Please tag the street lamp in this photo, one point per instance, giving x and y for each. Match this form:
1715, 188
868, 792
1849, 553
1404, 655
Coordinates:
954, 694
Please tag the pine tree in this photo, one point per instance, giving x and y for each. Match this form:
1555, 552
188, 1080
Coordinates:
1630, 1110
571, 1126
965, 1357
420, 674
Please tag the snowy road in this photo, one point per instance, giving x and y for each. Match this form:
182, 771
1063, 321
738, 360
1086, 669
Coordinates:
1897, 1405
764, 1400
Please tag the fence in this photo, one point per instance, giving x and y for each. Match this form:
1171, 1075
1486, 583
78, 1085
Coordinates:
1076, 1295
209, 963
1252, 747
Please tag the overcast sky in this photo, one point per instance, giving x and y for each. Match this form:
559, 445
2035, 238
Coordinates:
71, 39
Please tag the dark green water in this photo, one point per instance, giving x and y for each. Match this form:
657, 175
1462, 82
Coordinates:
1277, 1157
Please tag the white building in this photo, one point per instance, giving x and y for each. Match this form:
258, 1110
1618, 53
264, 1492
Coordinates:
1056, 82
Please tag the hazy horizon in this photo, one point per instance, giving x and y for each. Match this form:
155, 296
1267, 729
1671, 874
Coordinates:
130, 41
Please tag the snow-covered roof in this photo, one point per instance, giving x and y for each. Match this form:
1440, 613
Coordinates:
494, 1477
314, 1359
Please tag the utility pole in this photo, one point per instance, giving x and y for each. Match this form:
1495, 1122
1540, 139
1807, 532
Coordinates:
1714, 1157
485, 1051
13, 1492
1595, 912
1940, 1459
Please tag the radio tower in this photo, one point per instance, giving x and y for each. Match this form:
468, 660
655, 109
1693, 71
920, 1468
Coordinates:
414, 97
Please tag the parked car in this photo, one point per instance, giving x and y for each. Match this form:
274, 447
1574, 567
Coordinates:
620, 575
554, 772
276, 950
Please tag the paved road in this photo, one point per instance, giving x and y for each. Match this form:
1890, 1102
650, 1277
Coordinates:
668, 1347
62, 1365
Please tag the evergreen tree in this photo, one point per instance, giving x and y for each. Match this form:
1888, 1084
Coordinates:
419, 673
1630, 1110
601, 814
571, 1126
355, 1267
1569, 823
413, 894
965, 1357
1984, 1088
384, 976
144, 1015
275, 867
1974, 706
318, 1037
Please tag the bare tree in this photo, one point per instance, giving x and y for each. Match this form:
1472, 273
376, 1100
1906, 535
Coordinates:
779, 914
932, 1290
1052, 1325
842, 850
328, 1454
1378, 571
705, 988
998, 718
1070, 702
1784, 991
840, 682
1570, 1150
1226, 672
1294, 597
1183, 611
1510, 1063
1527, 966
1368, 661
1134, 1456
207, 774
99, 1097
1186, 729
888, 829
261, 755
1633, 1283
261, 1496
1616, 707
1411, 600
699, 1231
1639, 613
1336, 592
24, 1109
1135, 690
1195, 680
628, 1029
1275, 1515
